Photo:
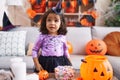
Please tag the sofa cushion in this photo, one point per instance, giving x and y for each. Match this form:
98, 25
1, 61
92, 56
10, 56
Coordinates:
112, 41
12, 43
76, 60
31, 35
115, 62
79, 37
101, 32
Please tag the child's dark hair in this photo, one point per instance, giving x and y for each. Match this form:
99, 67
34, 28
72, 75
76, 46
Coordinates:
62, 30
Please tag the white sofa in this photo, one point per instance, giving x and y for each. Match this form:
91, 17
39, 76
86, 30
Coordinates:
78, 36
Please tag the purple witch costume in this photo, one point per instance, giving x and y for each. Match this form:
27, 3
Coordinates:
54, 51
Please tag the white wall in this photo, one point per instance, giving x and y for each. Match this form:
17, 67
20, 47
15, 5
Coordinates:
102, 7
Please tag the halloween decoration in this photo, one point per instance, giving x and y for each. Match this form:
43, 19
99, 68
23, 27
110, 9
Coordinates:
31, 13
71, 6
88, 18
70, 47
85, 22
7, 25
112, 41
51, 4
93, 13
43, 75
96, 67
85, 2
39, 6
96, 47
32, 2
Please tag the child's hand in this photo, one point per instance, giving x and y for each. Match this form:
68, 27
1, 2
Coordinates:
39, 67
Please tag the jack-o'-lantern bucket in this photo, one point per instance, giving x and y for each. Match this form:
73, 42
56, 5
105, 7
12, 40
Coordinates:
96, 67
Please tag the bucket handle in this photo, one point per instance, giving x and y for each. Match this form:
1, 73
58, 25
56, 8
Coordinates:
83, 61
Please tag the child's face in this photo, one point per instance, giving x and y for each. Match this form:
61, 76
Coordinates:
53, 23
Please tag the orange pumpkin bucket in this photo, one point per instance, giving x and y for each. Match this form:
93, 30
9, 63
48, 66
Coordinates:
31, 13
43, 75
96, 67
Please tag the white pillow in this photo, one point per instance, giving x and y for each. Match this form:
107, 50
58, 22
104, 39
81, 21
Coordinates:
12, 43
100, 32
79, 37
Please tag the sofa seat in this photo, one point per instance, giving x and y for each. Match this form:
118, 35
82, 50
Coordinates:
76, 60
5, 62
115, 62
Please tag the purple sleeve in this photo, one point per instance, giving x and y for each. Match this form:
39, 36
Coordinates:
66, 53
37, 46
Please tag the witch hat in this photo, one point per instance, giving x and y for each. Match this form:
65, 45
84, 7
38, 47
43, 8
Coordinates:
57, 9
6, 23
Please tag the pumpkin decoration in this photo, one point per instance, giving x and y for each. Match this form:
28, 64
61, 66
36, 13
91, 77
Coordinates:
85, 22
96, 67
43, 75
51, 4
93, 13
88, 18
85, 2
96, 47
31, 13
71, 6
32, 1
70, 47
39, 8
112, 41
